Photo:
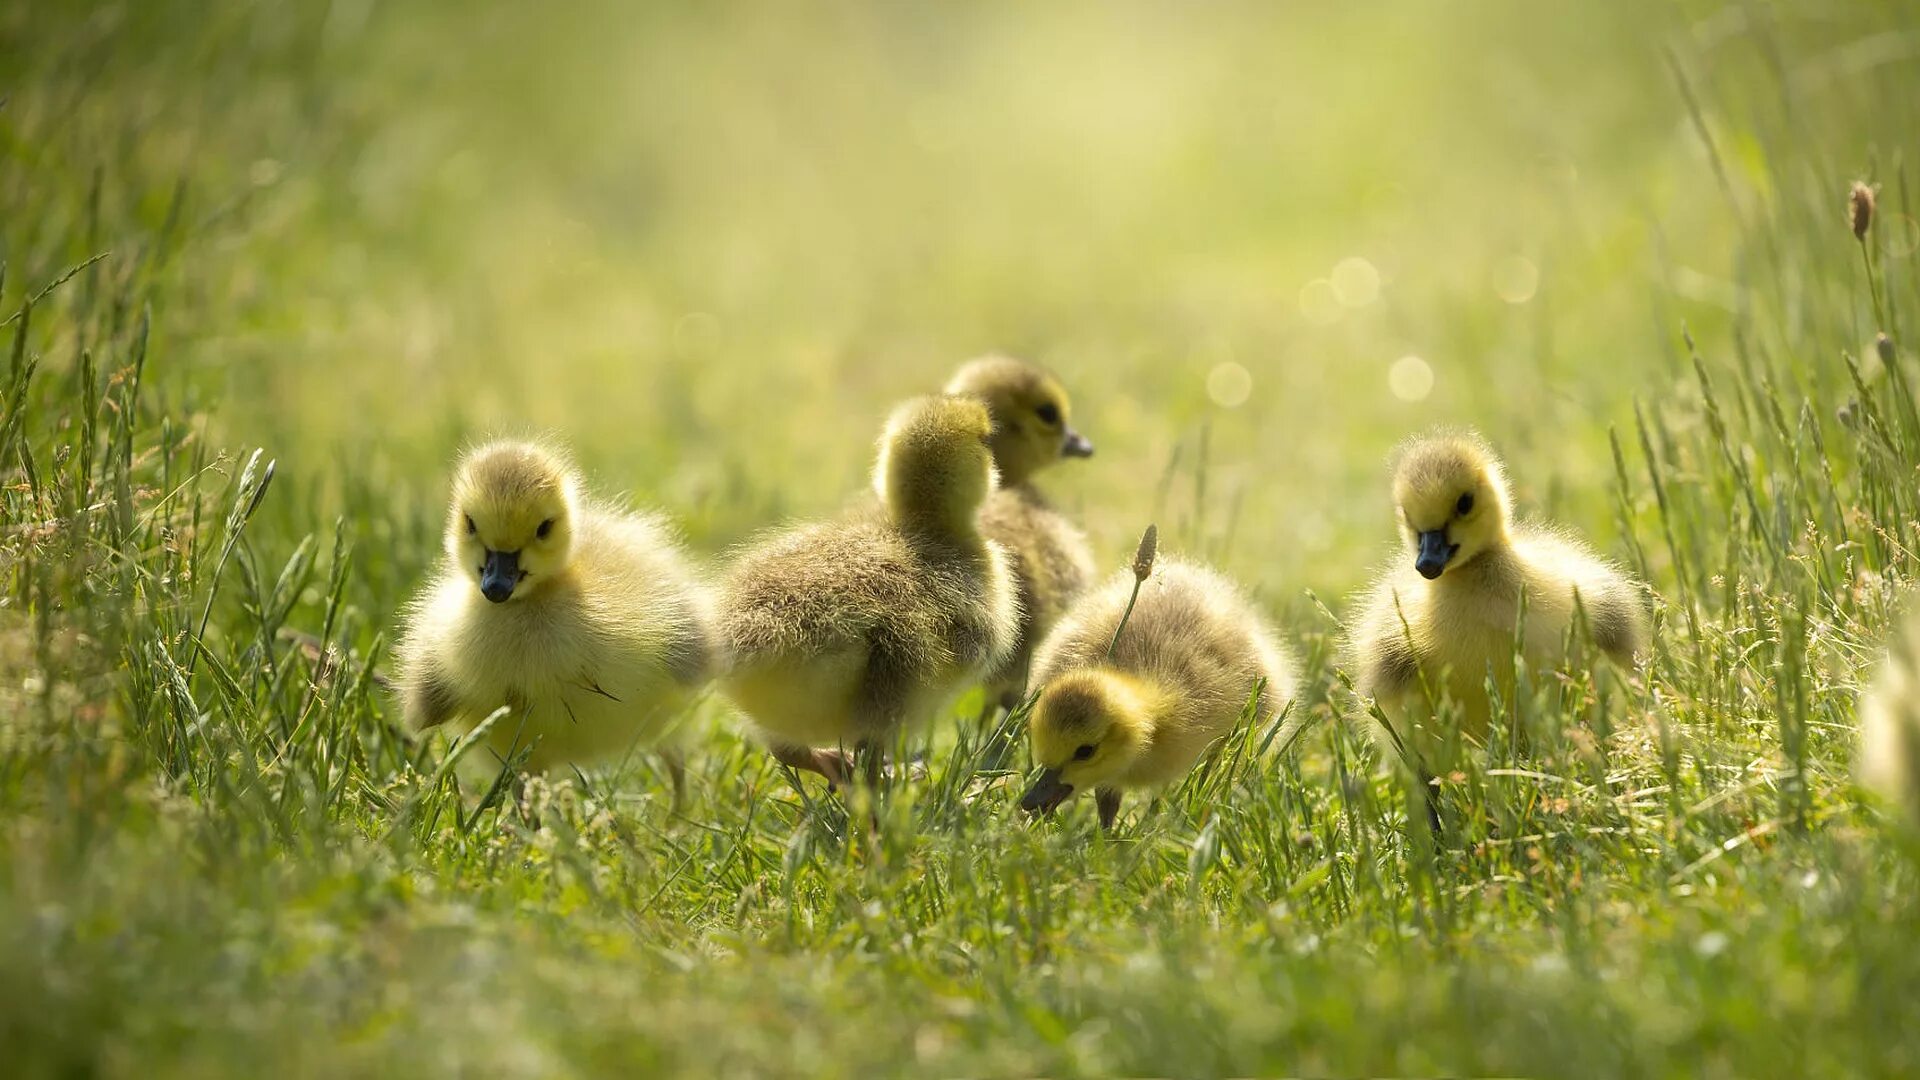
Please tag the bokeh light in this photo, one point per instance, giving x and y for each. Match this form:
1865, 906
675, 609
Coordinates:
1410, 378
1319, 303
1516, 279
1355, 282
1229, 385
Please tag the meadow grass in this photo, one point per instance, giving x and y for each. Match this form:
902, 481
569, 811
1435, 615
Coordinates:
267, 265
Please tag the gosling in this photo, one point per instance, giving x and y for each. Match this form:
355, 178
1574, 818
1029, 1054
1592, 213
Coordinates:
840, 633
585, 621
1182, 672
1460, 598
1052, 564
1890, 726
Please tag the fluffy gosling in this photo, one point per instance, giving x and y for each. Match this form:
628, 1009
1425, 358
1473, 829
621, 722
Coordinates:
1052, 564
1180, 675
585, 620
1460, 596
838, 633
1890, 725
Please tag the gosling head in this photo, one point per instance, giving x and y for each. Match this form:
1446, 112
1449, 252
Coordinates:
511, 522
1453, 501
1088, 727
935, 468
1031, 421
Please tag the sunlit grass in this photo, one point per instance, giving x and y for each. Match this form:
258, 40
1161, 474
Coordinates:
266, 269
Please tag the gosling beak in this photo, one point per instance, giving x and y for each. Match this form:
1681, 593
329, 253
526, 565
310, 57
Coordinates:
1435, 553
499, 574
1076, 445
1046, 794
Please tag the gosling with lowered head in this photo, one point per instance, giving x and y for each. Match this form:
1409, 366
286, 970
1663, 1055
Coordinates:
1182, 671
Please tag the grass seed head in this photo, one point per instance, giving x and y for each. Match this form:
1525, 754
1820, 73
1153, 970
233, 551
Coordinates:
1143, 555
1860, 206
1883, 345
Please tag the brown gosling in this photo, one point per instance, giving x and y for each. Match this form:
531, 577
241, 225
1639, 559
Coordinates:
1182, 671
839, 633
1890, 725
1052, 564
584, 620
1451, 610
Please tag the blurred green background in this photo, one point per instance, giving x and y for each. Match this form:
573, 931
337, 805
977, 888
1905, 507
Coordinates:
710, 244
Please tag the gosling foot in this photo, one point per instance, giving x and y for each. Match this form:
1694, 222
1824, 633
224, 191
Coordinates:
835, 765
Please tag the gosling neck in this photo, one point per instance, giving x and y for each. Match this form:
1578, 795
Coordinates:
930, 509
1022, 486
958, 529
1012, 476
1496, 560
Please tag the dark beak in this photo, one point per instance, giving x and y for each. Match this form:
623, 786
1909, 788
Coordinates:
499, 574
1435, 553
1046, 794
1077, 445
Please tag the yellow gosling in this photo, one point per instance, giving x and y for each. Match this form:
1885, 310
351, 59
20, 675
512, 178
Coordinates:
584, 620
1181, 673
1052, 564
839, 633
1451, 609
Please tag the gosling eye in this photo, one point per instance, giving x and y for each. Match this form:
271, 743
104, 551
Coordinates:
470, 526
545, 528
1465, 505
1085, 752
1048, 413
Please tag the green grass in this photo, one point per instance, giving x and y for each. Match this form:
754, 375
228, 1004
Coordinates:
266, 266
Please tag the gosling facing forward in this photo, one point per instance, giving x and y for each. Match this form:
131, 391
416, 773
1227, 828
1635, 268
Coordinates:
1451, 610
584, 620
1182, 672
1051, 563
838, 633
